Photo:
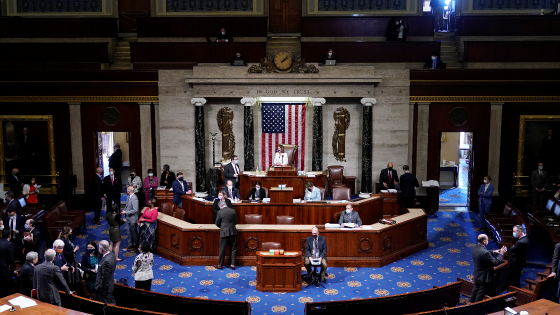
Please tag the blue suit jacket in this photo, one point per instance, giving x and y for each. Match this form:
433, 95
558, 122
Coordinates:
178, 191
485, 198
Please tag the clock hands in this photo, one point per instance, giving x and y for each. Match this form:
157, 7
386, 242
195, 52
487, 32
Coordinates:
287, 57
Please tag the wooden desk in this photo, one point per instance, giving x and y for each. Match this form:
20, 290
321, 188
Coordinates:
279, 273
370, 210
42, 308
278, 195
541, 306
391, 204
374, 245
247, 181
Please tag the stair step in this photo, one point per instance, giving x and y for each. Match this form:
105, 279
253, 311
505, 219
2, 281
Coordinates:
129, 39
123, 49
121, 59
122, 54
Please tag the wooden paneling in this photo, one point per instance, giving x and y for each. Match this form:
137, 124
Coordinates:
58, 27
509, 25
55, 52
50, 65
297, 182
129, 13
367, 52
478, 123
285, 16
279, 273
202, 27
195, 52
512, 51
338, 26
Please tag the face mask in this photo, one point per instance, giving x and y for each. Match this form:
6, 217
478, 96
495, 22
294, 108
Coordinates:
433, 57
397, 22
116, 150
150, 174
348, 210
32, 182
5, 200
132, 175
390, 168
13, 216
112, 173
309, 189
180, 178
485, 181
257, 188
59, 251
229, 187
514, 234
223, 33
220, 197
540, 168
330, 54
91, 250
236, 161
27, 226
238, 56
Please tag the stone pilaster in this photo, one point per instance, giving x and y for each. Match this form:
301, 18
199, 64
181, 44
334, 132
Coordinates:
317, 150
199, 137
423, 124
367, 145
145, 137
248, 134
77, 149
495, 143
159, 166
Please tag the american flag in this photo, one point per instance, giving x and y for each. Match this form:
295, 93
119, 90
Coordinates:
282, 124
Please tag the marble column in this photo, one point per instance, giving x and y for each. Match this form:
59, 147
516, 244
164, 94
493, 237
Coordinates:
199, 140
495, 143
77, 150
317, 150
367, 145
159, 166
422, 146
248, 134
145, 137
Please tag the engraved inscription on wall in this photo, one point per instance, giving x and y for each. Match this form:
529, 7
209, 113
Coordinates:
361, 5
514, 4
209, 5
59, 6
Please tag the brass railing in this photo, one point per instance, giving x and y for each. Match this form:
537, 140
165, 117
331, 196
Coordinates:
521, 186
50, 184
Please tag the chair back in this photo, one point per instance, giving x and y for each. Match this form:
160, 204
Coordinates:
337, 216
341, 193
284, 219
270, 245
265, 190
322, 190
179, 214
253, 219
291, 152
335, 174
167, 208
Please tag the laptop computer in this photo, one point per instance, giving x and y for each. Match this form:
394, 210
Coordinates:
239, 62
330, 63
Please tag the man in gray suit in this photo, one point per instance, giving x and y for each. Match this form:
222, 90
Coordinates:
47, 278
539, 180
484, 265
226, 221
350, 216
105, 282
131, 218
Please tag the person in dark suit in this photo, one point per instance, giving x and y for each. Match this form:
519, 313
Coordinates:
517, 256
224, 36
389, 177
112, 188
216, 207
26, 273
328, 56
232, 192
7, 263
484, 264
13, 204
485, 199
115, 160
539, 181
435, 62
60, 260
408, 183
47, 280
31, 241
315, 247
105, 282
180, 188
167, 177
231, 171
97, 194
350, 216
15, 182
256, 193
554, 266
226, 220
238, 57
15, 223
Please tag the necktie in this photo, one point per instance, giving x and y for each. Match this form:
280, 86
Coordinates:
230, 194
12, 223
389, 177
112, 182
315, 248
236, 170
434, 66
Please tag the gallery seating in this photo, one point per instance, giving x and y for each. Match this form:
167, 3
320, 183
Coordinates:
486, 306
253, 219
40, 53
202, 26
546, 219
414, 302
168, 208
508, 25
512, 51
58, 216
500, 225
541, 289
284, 219
497, 286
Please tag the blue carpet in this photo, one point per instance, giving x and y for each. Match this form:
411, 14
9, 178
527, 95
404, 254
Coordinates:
454, 197
451, 238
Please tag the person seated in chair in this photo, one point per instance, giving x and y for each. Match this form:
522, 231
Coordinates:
350, 216
328, 56
256, 192
238, 57
312, 193
280, 158
224, 36
316, 247
231, 192
435, 62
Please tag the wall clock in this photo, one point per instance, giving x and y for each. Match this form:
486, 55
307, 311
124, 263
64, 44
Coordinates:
283, 61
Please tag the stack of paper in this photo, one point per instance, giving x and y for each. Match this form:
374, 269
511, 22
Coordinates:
393, 191
332, 225
5, 307
430, 183
22, 302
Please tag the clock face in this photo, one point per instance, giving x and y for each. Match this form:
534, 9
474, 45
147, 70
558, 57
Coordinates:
283, 60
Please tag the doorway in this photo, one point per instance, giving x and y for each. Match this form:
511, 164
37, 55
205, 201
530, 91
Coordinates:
285, 16
455, 169
106, 141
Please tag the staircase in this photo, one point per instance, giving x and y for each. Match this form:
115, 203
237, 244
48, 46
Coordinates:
449, 49
121, 60
289, 42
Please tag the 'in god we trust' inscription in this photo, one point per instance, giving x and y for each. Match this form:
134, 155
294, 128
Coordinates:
284, 92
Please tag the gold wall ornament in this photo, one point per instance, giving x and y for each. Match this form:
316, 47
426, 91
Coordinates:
225, 124
474, 99
283, 62
80, 99
341, 123
443, 137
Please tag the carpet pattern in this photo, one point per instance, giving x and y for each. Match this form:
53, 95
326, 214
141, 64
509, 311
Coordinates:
451, 237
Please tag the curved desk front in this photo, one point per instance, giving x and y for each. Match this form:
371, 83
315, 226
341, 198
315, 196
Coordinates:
370, 210
374, 245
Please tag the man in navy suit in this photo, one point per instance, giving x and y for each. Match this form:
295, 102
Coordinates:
97, 194
408, 184
232, 192
231, 171
316, 247
26, 273
517, 256
15, 223
180, 188
13, 204
389, 177
113, 188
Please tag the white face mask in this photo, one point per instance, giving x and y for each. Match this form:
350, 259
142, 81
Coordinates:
348, 210
330, 54
223, 33
111, 172
257, 188
229, 187
485, 181
150, 174
433, 57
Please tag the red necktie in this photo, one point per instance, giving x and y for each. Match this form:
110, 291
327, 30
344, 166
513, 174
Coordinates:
389, 177
112, 180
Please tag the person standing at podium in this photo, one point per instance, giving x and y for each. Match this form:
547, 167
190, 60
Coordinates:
389, 177
280, 158
232, 192
226, 221
312, 193
408, 183
231, 171
316, 247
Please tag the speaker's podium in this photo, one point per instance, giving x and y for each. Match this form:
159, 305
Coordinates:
279, 273
284, 170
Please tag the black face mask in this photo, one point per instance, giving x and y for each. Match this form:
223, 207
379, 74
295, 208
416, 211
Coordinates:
390, 168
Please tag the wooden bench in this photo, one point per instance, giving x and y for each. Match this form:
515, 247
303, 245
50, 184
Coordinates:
546, 288
508, 25
547, 219
497, 286
500, 225
490, 305
85, 305
512, 51
54, 52
58, 216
